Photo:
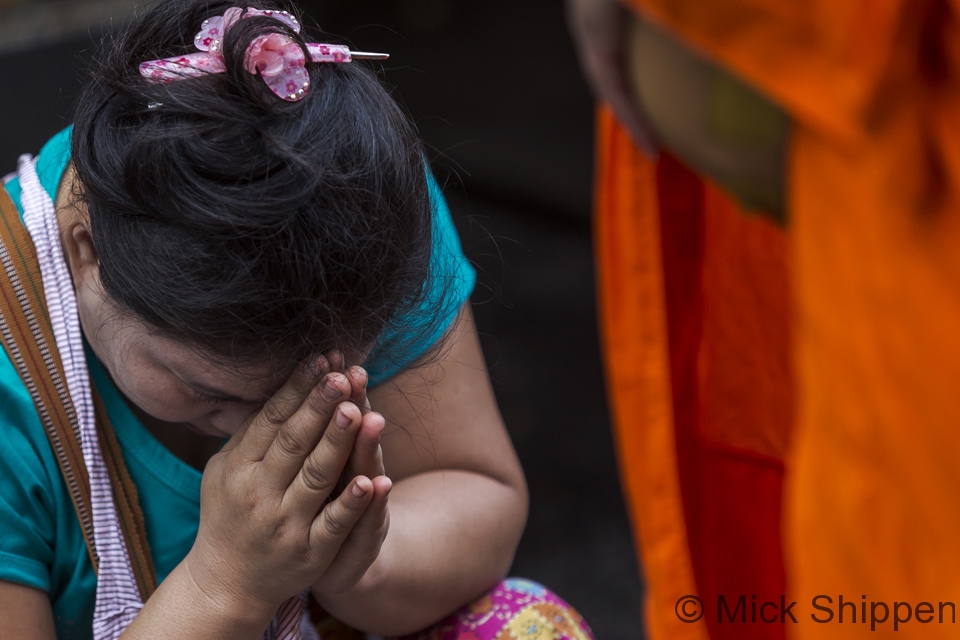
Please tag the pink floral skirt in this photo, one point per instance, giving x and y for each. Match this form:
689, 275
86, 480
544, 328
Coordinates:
515, 609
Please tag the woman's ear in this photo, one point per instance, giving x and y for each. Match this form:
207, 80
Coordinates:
79, 248
75, 235
80, 254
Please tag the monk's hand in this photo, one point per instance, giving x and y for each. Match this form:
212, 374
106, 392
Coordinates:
599, 30
270, 520
362, 546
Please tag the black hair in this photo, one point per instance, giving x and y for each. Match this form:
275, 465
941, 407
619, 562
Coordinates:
243, 224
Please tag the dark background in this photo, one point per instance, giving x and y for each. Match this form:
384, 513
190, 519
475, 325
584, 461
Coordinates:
507, 120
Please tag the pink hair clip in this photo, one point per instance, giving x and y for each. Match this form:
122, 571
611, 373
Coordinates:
277, 57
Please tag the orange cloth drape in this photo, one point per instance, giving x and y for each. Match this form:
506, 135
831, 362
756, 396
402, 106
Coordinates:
634, 338
871, 266
695, 302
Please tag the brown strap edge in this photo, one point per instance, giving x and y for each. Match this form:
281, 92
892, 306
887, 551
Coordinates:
25, 329
27, 336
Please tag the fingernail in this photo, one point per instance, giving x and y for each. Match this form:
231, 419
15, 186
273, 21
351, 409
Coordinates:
343, 420
358, 491
330, 390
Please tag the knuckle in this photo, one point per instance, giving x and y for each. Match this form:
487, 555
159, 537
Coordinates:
249, 503
329, 394
336, 524
317, 404
273, 412
219, 464
336, 438
280, 530
226, 465
316, 477
290, 443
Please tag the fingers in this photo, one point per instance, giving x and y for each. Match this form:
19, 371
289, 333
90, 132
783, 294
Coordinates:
358, 387
331, 528
299, 435
367, 456
366, 459
317, 477
257, 437
362, 545
357, 376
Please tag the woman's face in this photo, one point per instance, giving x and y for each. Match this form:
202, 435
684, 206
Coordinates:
168, 380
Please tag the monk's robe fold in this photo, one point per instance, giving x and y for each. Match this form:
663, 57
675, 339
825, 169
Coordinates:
694, 306
706, 313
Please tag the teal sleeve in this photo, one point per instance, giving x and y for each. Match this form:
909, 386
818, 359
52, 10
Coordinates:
14, 191
52, 161
448, 288
27, 500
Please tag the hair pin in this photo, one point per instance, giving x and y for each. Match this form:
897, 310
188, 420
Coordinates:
366, 55
276, 57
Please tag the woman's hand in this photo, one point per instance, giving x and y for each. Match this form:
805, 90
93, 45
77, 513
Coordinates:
362, 546
459, 503
367, 456
598, 28
266, 529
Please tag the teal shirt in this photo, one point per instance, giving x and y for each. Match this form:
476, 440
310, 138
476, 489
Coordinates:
41, 544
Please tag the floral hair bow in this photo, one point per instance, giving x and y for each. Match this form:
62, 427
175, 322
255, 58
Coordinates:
276, 57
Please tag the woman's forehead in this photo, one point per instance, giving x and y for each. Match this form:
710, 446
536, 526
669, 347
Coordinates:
196, 368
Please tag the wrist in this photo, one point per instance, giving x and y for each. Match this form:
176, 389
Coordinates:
221, 596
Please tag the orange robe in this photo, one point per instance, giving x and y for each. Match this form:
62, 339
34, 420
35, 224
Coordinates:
736, 350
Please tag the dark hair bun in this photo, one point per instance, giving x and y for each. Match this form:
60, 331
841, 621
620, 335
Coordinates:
242, 223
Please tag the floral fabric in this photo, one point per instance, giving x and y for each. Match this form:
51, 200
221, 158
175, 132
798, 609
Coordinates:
515, 609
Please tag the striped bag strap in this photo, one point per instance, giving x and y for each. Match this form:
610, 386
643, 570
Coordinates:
27, 336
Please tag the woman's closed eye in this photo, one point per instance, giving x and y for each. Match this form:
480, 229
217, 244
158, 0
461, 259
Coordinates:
208, 399
220, 399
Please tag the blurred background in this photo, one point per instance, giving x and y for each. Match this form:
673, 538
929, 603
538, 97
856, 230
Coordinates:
494, 88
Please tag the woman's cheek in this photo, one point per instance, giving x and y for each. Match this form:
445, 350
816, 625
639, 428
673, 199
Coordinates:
161, 398
229, 418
